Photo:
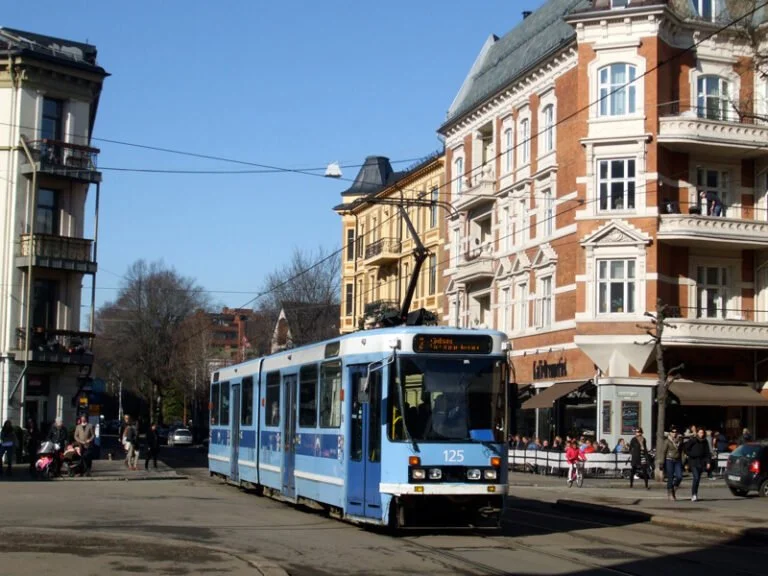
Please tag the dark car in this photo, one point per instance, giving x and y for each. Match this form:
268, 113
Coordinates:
747, 470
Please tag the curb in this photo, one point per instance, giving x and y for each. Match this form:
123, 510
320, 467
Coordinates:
664, 520
176, 476
263, 566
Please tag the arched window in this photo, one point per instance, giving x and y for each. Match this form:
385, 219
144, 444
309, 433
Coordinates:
712, 100
508, 150
525, 141
549, 128
617, 89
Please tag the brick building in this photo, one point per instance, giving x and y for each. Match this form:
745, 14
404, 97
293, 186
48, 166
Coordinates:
598, 165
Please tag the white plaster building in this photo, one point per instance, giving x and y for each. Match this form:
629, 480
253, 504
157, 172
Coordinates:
49, 95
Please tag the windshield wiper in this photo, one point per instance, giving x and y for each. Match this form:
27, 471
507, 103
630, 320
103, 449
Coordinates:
401, 401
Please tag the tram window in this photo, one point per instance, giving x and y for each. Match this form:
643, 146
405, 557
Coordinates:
308, 396
272, 407
224, 411
374, 417
330, 395
214, 404
356, 416
246, 418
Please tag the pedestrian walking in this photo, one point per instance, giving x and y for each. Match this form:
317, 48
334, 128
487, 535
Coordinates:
130, 441
671, 462
7, 445
32, 441
153, 447
699, 459
84, 437
638, 449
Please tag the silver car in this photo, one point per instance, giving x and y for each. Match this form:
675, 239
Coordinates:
180, 437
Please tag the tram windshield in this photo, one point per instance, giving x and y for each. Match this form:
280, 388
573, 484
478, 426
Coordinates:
447, 399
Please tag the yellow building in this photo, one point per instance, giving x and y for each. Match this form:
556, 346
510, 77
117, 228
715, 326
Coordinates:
378, 260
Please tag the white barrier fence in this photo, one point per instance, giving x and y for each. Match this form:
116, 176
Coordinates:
545, 462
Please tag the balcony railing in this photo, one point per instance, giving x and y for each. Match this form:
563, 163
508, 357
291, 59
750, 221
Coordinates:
56, 346
479, 188
64, 159
695, 229
382, 250
59, 252
721, 124
716, 333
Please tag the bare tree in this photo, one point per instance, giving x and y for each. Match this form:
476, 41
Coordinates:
308, 291
146, 334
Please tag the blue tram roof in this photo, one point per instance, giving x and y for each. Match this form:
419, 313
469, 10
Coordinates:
360, 336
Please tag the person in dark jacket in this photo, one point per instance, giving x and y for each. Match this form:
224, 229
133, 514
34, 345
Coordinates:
153, 446
699, 459
32, 437
58, 434
638, 450
672, 461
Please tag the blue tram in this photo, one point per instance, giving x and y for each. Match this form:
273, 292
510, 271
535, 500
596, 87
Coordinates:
387, 426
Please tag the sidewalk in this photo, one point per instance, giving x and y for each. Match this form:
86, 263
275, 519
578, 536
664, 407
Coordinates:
717, 511
523, 479
104, 470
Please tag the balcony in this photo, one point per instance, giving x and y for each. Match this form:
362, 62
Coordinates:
56, 347
727, 133
480, 188
716, 333
476, 265
57, 252
694, 230
383, 251
57, 158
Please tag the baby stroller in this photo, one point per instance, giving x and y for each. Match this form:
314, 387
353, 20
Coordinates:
72, 461
48, 462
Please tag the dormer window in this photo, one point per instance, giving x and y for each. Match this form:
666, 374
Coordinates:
706, 9
619, 3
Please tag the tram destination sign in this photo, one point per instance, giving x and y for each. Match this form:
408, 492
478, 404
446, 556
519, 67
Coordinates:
452, 344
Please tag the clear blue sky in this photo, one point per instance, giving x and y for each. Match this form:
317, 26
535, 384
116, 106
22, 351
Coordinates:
293, 83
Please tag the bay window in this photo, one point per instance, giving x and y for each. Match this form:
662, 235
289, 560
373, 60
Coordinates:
616, 183
616, 286
617, 90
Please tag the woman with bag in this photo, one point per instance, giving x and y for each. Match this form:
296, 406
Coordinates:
638, 450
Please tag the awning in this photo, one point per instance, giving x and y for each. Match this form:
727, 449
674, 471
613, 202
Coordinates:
701, 394
548, 397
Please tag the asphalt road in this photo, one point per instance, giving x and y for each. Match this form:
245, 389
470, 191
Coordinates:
535, 540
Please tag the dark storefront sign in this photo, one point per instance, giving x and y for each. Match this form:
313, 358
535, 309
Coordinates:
543, 370
38, 385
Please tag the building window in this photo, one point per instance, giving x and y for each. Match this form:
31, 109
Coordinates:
308, 396
521, 306
706, 9
456, 244
350, 244
349, 299
508, 147
616, 184
458, 176
712, 100
44, 304
432, 274
616, 286
521, 222
330, 395
617, 90
711, 292
507, 237
619, 3
45, 215
52, 119
548, 203
712, 186
433, 207
504, 312
544, 302
549, 128
525, 141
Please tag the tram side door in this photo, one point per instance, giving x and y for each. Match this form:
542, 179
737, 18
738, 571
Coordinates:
235, 444
289, 435
364, 465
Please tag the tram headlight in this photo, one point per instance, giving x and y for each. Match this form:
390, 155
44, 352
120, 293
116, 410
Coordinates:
435, 474
417, 474
490, 474
473, 474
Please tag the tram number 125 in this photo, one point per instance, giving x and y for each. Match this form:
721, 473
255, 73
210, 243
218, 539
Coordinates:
453, 455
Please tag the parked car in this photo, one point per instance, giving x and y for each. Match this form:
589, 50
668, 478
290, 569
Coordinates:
180, 437
747, 470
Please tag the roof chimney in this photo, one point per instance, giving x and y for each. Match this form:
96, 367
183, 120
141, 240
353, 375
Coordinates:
526, 13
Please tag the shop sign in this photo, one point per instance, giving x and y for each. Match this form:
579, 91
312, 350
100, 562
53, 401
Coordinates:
543, 370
